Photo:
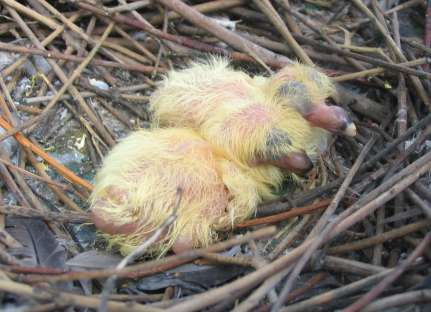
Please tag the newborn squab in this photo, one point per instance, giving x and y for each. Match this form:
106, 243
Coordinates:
136, 190
276, 121
226, 141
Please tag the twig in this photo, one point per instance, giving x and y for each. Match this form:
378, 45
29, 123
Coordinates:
154, 266
60, 73
69, 299
57, 191
68, 174
254, 299
275, 60
266, 7
34, 176
73, 58
423, 204
205, 7
375, 71
389, 66
410, 297
62, 217
222, 33
390, 278
393, 46
128, 7
392, 145
294, 212
65, 80
8, 70
32, 13
332, 295
384, 193
286, 241
428, 25
319, 229
380, 238
237, 260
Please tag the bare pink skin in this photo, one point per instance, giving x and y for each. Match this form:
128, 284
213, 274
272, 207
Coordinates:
182, 244
231, 89
332, 118
248, 120
296, 162
105, 225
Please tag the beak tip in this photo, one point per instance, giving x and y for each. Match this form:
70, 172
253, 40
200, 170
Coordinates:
350, 130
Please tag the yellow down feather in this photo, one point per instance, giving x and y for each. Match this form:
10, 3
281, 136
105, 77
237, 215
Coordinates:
210, 124
236, 112
139, 180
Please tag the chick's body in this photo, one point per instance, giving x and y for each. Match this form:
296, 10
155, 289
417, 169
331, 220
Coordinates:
137, 189
225, 141
236, 113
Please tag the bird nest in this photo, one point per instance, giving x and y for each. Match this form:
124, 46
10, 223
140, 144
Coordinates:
82, 103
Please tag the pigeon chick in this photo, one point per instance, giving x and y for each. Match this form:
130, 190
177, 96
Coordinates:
260, 121
227, 141
136, 190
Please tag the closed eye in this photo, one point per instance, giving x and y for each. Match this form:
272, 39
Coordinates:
330, 101
293, 88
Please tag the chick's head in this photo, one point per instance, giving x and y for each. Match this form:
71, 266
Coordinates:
309, 91
303, 83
